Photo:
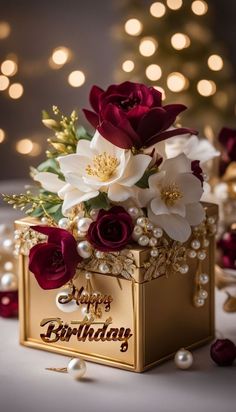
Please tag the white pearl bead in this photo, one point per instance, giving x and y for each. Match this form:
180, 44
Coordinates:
150, 226
157, 232
211, 220
203, 294
8, 266
64, 223
88, 275
154, 252
99, 254
138, 231
76, 368
94, 213
192, 253
44, 220
83, 224
183, 359
206, 243
184, 269
66, 307
201, 255
84, 249
143, 240
199, 302
133, 212
9, 282
203, 278
153, 241
142, 221
104, 268
195, 244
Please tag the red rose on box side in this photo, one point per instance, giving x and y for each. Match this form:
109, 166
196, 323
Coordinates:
54, 263
112, 230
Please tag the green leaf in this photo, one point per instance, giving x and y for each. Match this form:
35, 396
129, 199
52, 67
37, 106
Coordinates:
82, 133
49, 164
143, 182
45, 115
99, 202
38, 212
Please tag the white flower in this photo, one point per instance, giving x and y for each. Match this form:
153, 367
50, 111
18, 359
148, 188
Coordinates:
193, 147
97, 166
174, 194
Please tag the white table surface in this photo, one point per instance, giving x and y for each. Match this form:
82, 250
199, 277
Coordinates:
25, 385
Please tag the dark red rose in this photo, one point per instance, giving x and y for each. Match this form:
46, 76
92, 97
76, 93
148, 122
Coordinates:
112, 230
131, 115
223, 352
197, 170
9, 304
54, 263
227, 246
227, 138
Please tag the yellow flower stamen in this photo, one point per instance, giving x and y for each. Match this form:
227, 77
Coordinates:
103, 166
170, 194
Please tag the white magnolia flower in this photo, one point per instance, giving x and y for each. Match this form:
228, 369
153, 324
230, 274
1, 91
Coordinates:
174, 194
97, 166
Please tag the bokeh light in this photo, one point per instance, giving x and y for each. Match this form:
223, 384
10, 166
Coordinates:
9, 67
174, 4
180, 41
215, 62
4, 82
199, 7
60, 55
157, 9
128, 66
147, 46
153, 72
2, 135
24, 146
177, 82
76, 78
5, 29
133, 27
16, 90
206, 87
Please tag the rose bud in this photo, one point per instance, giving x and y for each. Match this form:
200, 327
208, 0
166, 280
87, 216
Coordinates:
223, 352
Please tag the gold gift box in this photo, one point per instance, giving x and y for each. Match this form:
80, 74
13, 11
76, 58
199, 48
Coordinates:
159, 313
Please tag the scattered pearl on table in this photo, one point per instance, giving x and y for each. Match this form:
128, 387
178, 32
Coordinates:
84, 249
64, 223
183, 359
76, 368
83, 224
8, 282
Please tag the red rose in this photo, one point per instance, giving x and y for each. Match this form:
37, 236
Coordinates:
9, 304
227, 138
54, 263
227, 246
112, 229
131, 115
223, 352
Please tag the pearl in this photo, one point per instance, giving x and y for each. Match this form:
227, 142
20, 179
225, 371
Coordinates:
154, 252
183, 359
133, 212
84, 249
44, 220
150, 226
192, 253
9, 282
211, 220
201, 255
195, 244
213, 229
94, 213
104, 268
199, 302
137, 232
143, 240
64, 223
184, 268
203, 278
7, 243
142, 221
66, 307
206, 242
83, 224
152, 241
157, 232
76, 368
88, 275
203, 294
8, 266
99, 254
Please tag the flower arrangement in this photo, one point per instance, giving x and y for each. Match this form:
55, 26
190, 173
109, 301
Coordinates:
137, 180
